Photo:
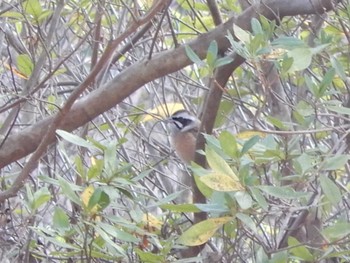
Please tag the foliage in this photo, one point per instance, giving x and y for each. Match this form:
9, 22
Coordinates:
113, 191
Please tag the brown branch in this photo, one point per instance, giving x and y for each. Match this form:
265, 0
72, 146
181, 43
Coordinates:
97, 33
207, 117
214, 11
210, 109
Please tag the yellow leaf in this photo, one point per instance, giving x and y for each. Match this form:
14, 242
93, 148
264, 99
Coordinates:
163, 111
221, 182
200, 233
152, 221
249, 134
85, 198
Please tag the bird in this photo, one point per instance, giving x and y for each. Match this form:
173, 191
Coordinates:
183, 128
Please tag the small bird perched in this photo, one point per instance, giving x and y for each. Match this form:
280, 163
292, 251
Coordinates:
183, 127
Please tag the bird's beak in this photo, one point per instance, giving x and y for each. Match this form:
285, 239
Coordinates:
168, 120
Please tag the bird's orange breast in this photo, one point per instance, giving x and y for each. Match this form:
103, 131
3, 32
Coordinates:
184, 144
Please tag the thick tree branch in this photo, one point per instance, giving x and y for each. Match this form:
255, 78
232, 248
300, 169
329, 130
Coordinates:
48, 134
25, 142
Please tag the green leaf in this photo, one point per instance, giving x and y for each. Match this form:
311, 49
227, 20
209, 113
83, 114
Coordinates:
149, 257
11, 14
47, 179
96, 169
310, 83
255, 44
203, 188
212, 141
339, 69
249, 144
335, 162
247, 221
30, 197
142, 175
241, 34
117, 233
212, 54
51, 99
259, 198
276, 122
109, 240
199, 171
25, 64
68, 192
262, 51
45, 14
326, 81
267, 25
57, 241
41, 197
302, 58
339, 109
244, 200
228, 144
256, 27
97, 144
76, 140
299, 250
193, 56
100, 198
282, 192
182, 208
238, 47
287, 63
338, 231
218, 164
318, 49
260, 255
330, 190
222, 61
305, 162
213, 208
288, 43
280, 257
305, 109
33, 7
201, 232
60, 219
195, 208
110, 159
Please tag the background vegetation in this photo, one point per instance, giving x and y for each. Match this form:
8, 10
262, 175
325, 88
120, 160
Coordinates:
87, 174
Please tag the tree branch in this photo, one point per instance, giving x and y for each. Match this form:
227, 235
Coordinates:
48, 134
25, 142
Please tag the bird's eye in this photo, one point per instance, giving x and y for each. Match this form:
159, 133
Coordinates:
178, 124
183, 121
